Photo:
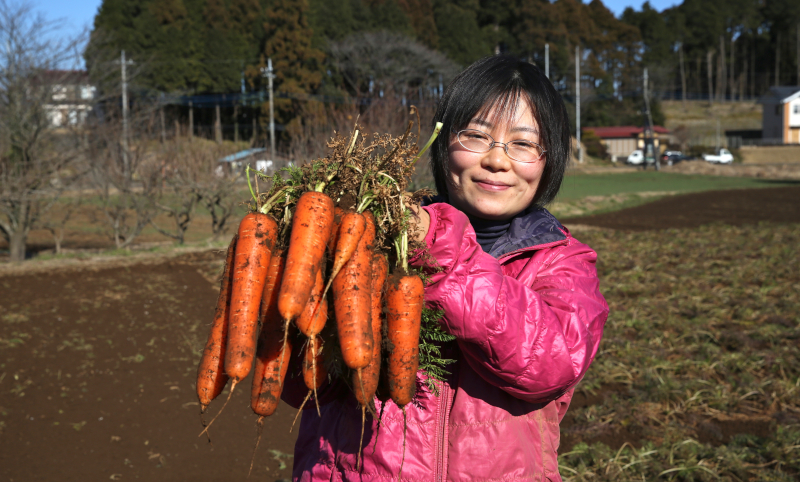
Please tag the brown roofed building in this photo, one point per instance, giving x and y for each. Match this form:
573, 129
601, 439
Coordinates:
620, 141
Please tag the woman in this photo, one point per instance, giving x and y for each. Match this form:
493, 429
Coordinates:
519, 293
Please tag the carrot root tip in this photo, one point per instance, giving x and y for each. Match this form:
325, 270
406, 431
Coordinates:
260, 431
205, 430
300, 410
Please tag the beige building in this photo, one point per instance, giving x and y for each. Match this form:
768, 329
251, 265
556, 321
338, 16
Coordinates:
781, 115
620, 141
71, 99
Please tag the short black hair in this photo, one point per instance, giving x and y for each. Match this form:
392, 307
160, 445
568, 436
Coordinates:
500, 81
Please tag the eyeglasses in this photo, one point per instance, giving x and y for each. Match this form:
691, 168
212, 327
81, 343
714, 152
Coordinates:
518, 150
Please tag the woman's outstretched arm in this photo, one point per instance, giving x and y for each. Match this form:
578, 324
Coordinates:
535, 342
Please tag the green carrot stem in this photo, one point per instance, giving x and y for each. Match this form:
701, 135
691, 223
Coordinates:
321, 186
352, 143
269, 202
381, 173
402, 252
365, 202
435, 134
250, 186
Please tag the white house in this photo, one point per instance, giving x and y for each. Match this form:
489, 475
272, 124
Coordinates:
781, 119
71, 97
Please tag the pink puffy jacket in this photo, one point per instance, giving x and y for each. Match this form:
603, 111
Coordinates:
528, 324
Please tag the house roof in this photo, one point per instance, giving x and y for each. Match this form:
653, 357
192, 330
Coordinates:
242, 154
65, 76
622, 131
782, 94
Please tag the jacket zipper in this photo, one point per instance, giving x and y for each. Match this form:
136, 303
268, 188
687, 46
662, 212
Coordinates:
444, 415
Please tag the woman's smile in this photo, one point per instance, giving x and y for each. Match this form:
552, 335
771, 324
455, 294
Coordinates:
492, 186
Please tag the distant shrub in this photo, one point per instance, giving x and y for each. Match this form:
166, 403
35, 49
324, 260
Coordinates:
594, 145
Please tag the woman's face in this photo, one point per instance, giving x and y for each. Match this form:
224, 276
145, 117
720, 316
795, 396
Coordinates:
490, 185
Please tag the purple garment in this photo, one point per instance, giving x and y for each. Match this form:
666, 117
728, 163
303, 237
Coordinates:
528, 324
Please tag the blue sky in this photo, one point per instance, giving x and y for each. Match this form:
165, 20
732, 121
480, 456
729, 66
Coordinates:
79, 14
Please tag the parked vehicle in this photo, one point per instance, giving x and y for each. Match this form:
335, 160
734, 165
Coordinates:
636, 158
673, 157
723, 156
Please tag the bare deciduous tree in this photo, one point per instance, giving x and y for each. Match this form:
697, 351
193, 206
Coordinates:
33, 157
127, 177
57, 221
217, 191
194, 177
374, 61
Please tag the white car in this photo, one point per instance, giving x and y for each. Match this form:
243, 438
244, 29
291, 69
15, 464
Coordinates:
636, 157
724, 156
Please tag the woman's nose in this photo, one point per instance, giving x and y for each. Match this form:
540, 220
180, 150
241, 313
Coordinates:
496, 159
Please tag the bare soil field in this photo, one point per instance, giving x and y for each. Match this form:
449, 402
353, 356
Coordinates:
733, 207
98, 359
97, 376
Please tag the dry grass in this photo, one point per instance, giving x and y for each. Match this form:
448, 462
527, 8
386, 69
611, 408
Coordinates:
702, 118
698, 370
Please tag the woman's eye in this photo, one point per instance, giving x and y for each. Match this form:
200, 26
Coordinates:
523, 145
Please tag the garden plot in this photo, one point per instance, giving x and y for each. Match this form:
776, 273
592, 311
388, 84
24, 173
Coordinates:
696, 378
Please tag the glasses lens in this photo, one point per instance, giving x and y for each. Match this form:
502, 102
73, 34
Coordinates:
475, 141
524, 151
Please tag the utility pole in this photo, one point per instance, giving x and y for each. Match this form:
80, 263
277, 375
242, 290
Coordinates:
649, 143
547, 60
683, 76
218, 124
578, 102
191, 121
125, 161
269, 74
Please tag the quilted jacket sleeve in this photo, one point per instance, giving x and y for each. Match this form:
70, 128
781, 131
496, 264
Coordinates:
534, 342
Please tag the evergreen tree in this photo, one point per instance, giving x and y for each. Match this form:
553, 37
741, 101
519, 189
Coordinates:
387, 15
297, 64
336, 20
460, 36
420, 12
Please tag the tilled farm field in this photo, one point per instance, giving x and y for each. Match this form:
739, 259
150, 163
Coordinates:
697, 378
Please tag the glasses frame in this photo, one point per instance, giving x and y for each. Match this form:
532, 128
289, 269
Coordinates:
495, 143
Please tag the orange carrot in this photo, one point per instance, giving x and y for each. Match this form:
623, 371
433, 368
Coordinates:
404, 299
351, 302
272, 362
270, 370
312, 320
350, 231
337, 220
365, 385
211, 377
269, 297
314, 315
311, 229
257, 235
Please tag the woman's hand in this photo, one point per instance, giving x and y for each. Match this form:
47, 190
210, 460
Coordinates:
420, 221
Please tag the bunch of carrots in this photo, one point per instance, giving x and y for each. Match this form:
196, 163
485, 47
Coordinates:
330, 227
